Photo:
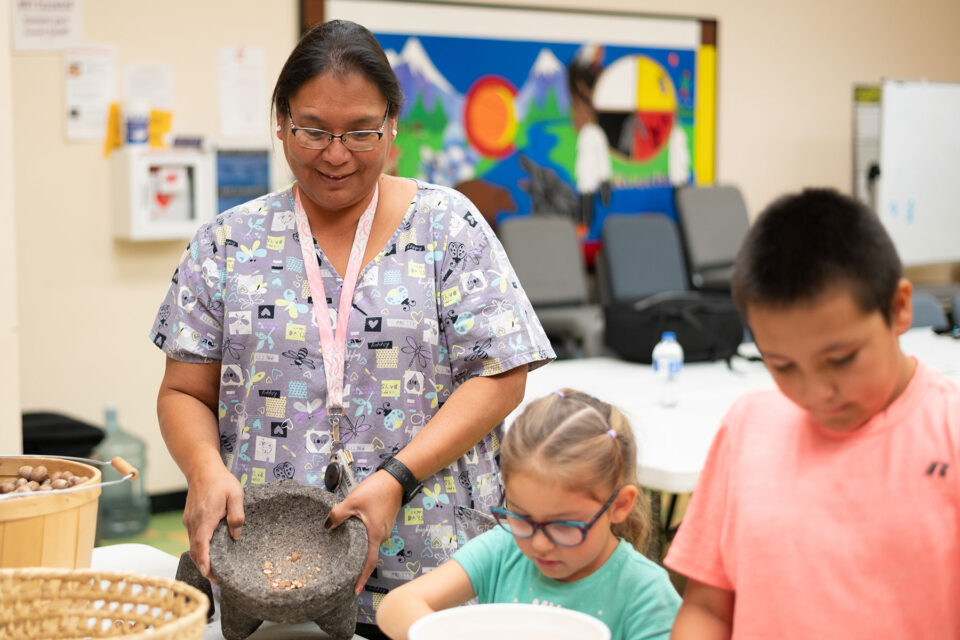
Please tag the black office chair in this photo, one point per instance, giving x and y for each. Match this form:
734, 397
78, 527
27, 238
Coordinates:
641, 256
713, 223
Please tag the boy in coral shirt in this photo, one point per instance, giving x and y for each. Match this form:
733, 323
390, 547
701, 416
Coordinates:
829, 508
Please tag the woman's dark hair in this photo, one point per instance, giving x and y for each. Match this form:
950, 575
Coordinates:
341, 47
804, 244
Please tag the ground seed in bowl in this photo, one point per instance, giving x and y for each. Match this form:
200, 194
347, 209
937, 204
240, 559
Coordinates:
290, 573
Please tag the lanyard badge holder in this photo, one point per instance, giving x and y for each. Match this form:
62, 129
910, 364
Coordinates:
339, 472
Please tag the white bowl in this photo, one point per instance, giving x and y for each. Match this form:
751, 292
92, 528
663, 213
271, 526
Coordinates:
508, 622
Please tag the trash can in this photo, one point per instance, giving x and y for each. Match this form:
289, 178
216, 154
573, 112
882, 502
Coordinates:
56, 434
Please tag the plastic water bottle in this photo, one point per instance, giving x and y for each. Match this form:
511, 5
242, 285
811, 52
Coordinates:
667, 364
124, 507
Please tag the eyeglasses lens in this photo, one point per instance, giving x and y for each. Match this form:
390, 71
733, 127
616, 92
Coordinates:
560, 534
516, 526
354, 141
564, 535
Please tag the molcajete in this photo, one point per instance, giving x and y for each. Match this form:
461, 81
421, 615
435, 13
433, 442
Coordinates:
285, 566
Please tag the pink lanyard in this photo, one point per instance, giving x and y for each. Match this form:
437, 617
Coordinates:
331, 348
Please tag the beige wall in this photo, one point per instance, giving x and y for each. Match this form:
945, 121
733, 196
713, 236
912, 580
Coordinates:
9, 339
87, 301
786, 72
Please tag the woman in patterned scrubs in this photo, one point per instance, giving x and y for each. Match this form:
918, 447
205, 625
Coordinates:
439, 337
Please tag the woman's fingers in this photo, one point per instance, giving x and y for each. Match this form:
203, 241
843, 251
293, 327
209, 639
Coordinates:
235, 515
221, 496
200, 536
376, 502
338, 514
373, 553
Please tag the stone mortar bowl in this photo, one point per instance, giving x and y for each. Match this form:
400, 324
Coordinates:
283, 518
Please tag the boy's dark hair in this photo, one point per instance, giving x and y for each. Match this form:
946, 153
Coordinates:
803, 244
339, 47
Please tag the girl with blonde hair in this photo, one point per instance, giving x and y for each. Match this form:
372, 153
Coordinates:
572, 529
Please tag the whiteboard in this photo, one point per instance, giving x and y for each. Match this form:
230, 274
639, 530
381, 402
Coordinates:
919, 193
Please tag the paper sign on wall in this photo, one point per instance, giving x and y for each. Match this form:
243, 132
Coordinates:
46, 25
149, 84
242, 80
91, 81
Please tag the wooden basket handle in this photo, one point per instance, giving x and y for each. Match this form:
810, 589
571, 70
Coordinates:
124, 467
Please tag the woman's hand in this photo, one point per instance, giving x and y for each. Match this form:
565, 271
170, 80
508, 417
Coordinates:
485, 401
211, 495
376, 502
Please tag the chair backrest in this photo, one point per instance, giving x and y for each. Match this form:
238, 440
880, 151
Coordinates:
927, 311
545, 253
642, 256
713, 222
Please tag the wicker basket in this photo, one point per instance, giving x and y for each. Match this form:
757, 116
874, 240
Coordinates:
74, 604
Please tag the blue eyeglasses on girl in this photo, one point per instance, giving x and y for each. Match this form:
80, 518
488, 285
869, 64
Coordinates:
565, 533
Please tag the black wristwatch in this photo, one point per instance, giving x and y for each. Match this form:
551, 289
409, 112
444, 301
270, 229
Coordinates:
408, 482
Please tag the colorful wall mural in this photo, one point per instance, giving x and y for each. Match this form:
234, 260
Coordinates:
540, 125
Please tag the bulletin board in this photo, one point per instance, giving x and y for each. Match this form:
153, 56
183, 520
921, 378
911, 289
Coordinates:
490, 108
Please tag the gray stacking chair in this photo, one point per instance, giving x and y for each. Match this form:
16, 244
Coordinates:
713, 222
642, 255
928, 312
545, 252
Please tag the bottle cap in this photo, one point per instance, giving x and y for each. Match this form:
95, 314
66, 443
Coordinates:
668, 335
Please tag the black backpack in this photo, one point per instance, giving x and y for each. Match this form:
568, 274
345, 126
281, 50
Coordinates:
707, 326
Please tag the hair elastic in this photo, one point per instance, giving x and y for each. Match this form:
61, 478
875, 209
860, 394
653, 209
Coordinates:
559, 394
612, 433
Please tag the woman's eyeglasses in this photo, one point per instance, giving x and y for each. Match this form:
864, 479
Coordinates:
565, 533
318, 139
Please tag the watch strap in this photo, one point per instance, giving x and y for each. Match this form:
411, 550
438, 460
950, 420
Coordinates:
408, 482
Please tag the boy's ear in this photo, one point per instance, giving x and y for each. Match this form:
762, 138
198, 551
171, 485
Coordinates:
901, 311
623, 504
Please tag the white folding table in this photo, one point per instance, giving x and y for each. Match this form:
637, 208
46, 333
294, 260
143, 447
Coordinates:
673, 442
